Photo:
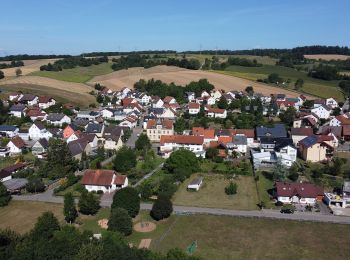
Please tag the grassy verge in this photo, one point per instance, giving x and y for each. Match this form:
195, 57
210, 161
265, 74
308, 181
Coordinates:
78, 74
264, 185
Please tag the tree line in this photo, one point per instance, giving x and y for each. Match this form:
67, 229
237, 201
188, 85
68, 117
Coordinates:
32, 57
72, 62
161, 89
12, 64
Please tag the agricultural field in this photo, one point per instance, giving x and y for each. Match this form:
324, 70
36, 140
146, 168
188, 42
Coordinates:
29, 67
21, 216
311, 86
326, 57
78, 74
75, 93
168, 74
212, 193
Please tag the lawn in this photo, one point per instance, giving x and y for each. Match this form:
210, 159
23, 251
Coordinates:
221, 237
212, 193
21, 216
7, 161
311, 86
264, 185
78, 74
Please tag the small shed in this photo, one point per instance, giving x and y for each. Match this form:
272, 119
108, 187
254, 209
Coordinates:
195, 184
15, 185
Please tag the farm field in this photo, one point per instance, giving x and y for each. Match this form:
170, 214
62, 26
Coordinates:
168, 74
327, 57
21, 216
312, 86
75, 93
212, 193
29, 67
78, 74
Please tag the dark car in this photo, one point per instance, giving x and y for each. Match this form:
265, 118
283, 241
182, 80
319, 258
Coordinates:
287, 211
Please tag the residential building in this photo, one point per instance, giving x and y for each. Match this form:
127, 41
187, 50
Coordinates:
277, 131
170, 143
40, 147
8, 130
38, 131
299, 193
216, 112
322, 111
45, 102
17, 110
16, 145
194, 108
316, 148
156, 128
58, 119
299, 134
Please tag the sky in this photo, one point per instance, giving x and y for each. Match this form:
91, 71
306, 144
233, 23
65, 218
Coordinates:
76, 26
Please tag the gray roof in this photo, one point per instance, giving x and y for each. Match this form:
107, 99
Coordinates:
27, 97
44, 143
15, 184
278, 130
7, 128
156, 110
77, 147
17, 108
346, 186
196, 181
55, 117
94, 128
240, 140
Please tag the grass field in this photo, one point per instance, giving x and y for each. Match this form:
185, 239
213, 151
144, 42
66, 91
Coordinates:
265, 184
212, 193
312, 86
21, 216
78, 74
77, 95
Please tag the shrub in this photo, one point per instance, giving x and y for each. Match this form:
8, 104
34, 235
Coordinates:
128, 199
5, 196
35, 185
231, 189
88, 204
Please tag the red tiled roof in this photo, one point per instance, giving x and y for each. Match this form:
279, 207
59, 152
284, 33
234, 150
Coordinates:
225, 139
207, 133
181, 139
346, 130
343, 120
304, 190
249, 133
166, 123
120, 180
128, 101
302, 131
18, 142
193, 105
168, 99
44, 99
97, 177
215, 110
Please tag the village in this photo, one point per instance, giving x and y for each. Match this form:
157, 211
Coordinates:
297, 133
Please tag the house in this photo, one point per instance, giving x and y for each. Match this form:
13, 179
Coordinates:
35, 114
248, 133
208, 134
28, 99
229, 97
195, 184
168, 113
309, 121
170, 143
96, 129
14, 96
346, 132
6, 173
277, 131
205, 94
238, 144
16, 145
216, 94
283, 147
169, 100
300, 193
316, 148
103, 180
75, 136
38, 131
91, 139
157, 102
78, 147
299, 134
88, 115
112, 137
270, 159
45, 102
208, 100
216, 112
69, 130
8, 130
339, 121
143, 98
331, 102
4, 152
58, 119
130, 122
194, 108
335, 131
191, 96
322, 111
17, 110
156, 128
40, 147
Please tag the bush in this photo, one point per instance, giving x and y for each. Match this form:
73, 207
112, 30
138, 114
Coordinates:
231, 189
120, 221
128, 199
162, 208
279, 203
88, 204
35, 185
5, 196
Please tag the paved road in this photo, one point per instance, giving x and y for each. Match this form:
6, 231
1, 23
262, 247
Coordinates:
135, 132
148, 175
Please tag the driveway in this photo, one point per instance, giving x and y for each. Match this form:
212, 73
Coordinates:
134, 136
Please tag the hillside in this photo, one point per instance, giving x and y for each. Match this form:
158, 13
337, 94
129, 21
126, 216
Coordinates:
168, 74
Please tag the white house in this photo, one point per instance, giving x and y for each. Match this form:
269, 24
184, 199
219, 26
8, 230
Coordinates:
170, 143
45, 102
28, 99
17, 110
194, 108
8, 130
16, 145
195, 184
322, 111
331, 102
130, 122
300, 193
40, 147
38, 131
157, 102
205, 94
339, 121
103, 180
216, 94
58, 119
216, 112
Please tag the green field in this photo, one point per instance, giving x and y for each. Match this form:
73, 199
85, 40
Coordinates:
212, 193
78, 74
264, 185
311, 86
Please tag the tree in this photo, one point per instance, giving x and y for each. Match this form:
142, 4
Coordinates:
8, 242
293, 172
2, 75
222, 103
180, 125
18, 72
99, 99
125, 159
288, 116
5, 196
88, 204
345, 87
45, 227
279, 171
182, 159
69, 210
128, 199
299, 84
146, 190
274, 78
211, 153
120, 221
143, 143
249, 90
35, 185
162, 208
231, 188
